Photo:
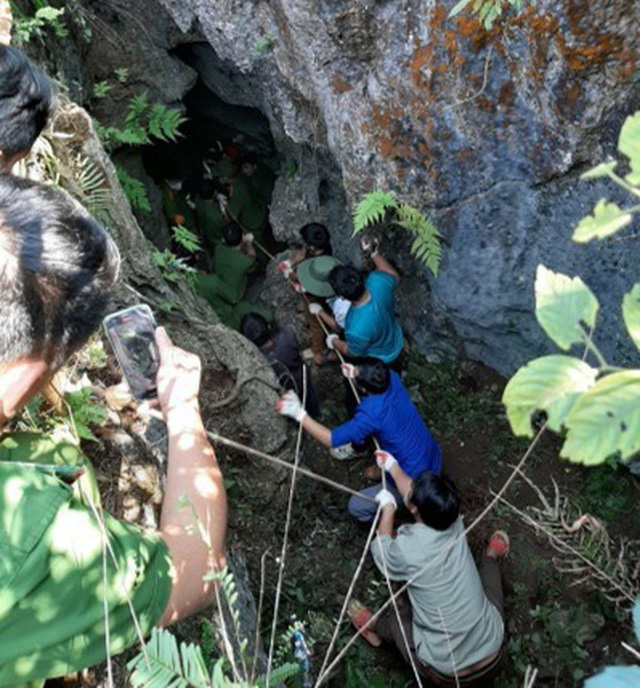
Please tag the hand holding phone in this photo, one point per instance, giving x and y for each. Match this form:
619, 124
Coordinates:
178, 377
132, 336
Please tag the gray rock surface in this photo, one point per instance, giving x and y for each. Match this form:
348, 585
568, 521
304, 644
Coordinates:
486, 131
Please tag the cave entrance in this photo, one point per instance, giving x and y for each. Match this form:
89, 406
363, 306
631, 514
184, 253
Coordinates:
226, 143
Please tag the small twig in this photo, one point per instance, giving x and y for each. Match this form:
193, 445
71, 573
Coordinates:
485, 80
259, 615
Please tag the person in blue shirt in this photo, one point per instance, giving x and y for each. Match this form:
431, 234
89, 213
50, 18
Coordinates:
371, 328
385, 412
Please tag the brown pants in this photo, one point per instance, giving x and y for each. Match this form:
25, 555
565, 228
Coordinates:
388, 628
316, 333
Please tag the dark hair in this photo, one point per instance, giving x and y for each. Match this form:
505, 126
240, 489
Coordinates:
208, 188
317, 237
436, 498
347, 282
56, 267
373, 375
232, 234
26, 100
255, 328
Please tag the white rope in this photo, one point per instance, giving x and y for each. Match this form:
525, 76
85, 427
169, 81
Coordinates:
283, 554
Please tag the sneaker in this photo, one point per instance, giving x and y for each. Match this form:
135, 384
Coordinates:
343, 453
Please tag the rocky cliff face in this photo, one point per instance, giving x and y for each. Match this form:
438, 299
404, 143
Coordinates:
486, 131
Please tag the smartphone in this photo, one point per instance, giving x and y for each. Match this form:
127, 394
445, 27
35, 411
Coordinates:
132, 336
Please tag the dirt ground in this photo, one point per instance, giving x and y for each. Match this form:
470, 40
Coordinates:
566, 631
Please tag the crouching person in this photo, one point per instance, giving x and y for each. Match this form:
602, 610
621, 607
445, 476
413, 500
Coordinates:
451, 613
56, 268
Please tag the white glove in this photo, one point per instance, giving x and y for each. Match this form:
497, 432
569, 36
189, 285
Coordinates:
385, 498
369, 245
291, 406
248, 237
299, 288
349, 371
330, 341
315, 308
286, 268
385, 460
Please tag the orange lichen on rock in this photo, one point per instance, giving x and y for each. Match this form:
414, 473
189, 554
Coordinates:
340, 85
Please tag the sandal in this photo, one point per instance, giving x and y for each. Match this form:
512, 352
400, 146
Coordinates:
499, 543
360, 617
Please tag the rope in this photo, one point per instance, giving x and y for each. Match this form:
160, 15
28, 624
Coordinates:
219, 439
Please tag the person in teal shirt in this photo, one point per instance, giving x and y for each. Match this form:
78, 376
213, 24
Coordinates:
371, 328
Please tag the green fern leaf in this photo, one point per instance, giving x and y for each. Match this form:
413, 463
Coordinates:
372, 209
164, 122
137, 107
91, 187
187, 239
166, 666
134, 190
280, 675
426, 246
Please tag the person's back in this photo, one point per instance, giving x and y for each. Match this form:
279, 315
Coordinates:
232, 267
451, 613
394, 420
371, 329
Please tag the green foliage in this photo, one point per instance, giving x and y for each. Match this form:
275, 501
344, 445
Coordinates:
605, 420
164, 665
122, 74
45, 17
91, 190
598, 407
134, 190
379, 206
487, 11
171, 267
266, 44
563, 306
608, 218
143, 123
101, 89
85, 413
552, 384
186, 238
373, 209
631, 313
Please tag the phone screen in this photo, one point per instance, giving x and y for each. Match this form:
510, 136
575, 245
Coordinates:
132, 336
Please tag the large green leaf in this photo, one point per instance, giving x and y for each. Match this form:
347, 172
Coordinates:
631, 313
605, 420
562, 304
629, 144
599, 171
607, 219
552, 384
372, 209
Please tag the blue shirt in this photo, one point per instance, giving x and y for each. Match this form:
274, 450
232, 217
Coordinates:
372, 329
397, 426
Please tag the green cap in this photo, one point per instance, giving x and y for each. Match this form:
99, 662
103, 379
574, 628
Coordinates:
313, 275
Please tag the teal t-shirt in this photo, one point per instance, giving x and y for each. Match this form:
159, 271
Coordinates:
372, 329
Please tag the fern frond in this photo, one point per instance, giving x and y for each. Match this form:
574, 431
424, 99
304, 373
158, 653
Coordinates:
165, 123
164, 666
280, 675
91, 186
372, 209
426, 246
134, 190
137, 107
187, 239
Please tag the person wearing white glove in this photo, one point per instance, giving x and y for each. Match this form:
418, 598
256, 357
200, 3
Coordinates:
285, 268
332, 341
315, 308
349, 371
386, 499
369, 246
291, 406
